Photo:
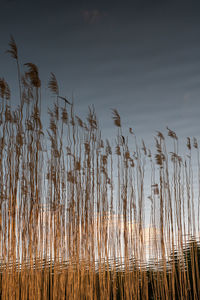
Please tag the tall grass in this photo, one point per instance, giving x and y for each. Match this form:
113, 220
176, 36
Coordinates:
75, 218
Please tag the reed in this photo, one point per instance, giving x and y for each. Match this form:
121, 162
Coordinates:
82, 217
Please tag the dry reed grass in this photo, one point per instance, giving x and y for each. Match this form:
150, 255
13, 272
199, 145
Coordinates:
65, 231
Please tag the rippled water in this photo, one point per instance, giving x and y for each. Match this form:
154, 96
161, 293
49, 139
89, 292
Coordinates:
128, 264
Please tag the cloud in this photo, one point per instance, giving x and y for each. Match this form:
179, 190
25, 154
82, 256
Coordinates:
93, 16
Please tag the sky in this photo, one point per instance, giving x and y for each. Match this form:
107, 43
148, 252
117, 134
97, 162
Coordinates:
141, 57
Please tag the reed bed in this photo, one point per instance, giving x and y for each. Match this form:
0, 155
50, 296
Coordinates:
76, 221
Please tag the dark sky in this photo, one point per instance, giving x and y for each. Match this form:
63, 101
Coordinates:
141, 57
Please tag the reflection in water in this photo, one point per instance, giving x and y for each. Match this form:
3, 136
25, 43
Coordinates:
100, 221
110, 240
